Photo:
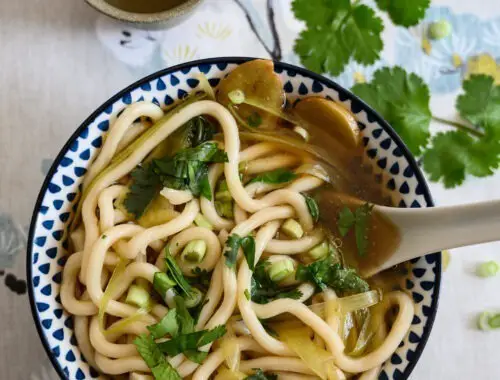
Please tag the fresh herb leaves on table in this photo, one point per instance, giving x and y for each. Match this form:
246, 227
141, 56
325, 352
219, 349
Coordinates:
403, 100
340, 30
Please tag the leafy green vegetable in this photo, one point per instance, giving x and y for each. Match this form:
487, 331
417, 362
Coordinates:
480, 104
404, 12
146, 185
233, 244
345, 221
403, 100
454, 154
190, 342
184, 319
179, 324
329, 273
248, 246
359, 221
468, 150
176, 273
167, 325
312, 205
154, 358
275, 176
202, 278
260, 375
263, 290
363, 215
187, 169
337, 30
254, 120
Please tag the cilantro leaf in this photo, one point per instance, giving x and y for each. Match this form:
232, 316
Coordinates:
187, 169
480, 103
346, 220
260, 375
145, 187
403, 100
263, 290
454, 154
232, 246
184, 319
248, 246
176, 273
154, 358
329, 273
167, 325
275, 176
362, 215
189, 343
336, 31
312, 205
404, 12
473, 151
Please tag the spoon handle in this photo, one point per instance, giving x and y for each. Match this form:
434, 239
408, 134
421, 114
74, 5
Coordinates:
429, 230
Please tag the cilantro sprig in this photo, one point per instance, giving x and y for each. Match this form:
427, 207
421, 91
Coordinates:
233, 244
179, 326
187, 169
474, 149
340, 30
357, 221
330, 273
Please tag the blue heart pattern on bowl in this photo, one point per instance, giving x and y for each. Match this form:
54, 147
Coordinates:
390, 160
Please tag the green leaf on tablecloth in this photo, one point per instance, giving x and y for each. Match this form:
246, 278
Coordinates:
336, 31
403, 100
404, 12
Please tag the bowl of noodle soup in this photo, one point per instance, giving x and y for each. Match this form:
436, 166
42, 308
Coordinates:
183, 232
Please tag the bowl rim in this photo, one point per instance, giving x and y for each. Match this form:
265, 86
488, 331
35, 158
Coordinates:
143, 18
228, 60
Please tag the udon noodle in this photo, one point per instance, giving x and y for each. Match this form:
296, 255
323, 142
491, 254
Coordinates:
198, 236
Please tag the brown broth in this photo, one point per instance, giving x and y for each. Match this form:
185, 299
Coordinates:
145, 6
383, 236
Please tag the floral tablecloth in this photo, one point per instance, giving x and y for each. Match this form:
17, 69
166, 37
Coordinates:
59, 60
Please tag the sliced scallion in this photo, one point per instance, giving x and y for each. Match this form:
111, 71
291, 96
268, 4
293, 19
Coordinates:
488, 269
195, 251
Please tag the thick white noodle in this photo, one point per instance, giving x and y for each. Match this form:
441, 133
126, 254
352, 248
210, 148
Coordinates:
101, 241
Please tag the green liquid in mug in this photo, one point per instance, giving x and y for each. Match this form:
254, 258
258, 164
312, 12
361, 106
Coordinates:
145, 6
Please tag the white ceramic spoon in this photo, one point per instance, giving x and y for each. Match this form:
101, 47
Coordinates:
422, 230
429, 230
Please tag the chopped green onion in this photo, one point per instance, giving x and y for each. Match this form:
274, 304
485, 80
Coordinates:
488, 321
223, 185
224, 209
320, 251
194, 299
194, 251
247, 294
292, 228
223, 196
440, 29
162, 283
138, 296
236, 96
281, 269
201, 221
488, 269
